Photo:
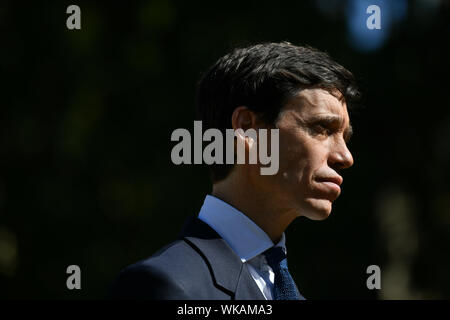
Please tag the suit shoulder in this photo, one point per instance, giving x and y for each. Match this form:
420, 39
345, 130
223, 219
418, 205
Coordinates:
168, 274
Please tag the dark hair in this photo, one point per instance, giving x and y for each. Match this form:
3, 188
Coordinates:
263, 77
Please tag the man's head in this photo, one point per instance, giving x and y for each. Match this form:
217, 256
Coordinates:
302, 92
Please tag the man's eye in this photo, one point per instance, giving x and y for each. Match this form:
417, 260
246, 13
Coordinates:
322, 130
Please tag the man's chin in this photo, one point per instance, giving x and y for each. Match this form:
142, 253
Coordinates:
319, 209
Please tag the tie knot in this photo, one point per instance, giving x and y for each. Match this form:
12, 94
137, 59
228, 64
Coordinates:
274, 256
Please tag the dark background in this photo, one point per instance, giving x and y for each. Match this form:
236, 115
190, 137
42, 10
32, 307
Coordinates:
86, 117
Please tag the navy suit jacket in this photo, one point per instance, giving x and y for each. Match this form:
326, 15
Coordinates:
198, 265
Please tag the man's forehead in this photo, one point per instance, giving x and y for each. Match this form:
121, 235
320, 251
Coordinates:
318, 101
315, 104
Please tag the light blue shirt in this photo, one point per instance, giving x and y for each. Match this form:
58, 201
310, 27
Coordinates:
244, 237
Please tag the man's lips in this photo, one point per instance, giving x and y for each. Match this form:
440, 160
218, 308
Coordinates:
332, 182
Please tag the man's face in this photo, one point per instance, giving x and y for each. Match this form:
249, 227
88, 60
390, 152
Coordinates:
314, 127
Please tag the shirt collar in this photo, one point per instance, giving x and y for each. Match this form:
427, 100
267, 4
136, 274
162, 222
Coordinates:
244, 237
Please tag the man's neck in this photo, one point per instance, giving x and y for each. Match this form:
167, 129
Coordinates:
262, 209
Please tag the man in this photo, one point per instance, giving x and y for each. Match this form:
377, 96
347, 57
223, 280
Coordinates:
236, 247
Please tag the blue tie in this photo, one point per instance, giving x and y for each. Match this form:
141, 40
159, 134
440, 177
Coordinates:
284, 286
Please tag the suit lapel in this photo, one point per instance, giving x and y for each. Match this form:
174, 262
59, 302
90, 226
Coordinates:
229, 273
247, 287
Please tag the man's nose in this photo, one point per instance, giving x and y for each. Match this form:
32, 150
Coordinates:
340, 157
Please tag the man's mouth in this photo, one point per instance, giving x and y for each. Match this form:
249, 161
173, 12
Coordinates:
332, 183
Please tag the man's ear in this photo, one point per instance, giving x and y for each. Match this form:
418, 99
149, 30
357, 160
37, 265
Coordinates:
244, 118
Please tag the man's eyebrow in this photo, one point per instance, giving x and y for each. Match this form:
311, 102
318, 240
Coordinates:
329, 119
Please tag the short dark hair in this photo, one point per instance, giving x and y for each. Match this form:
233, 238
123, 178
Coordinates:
263, 77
